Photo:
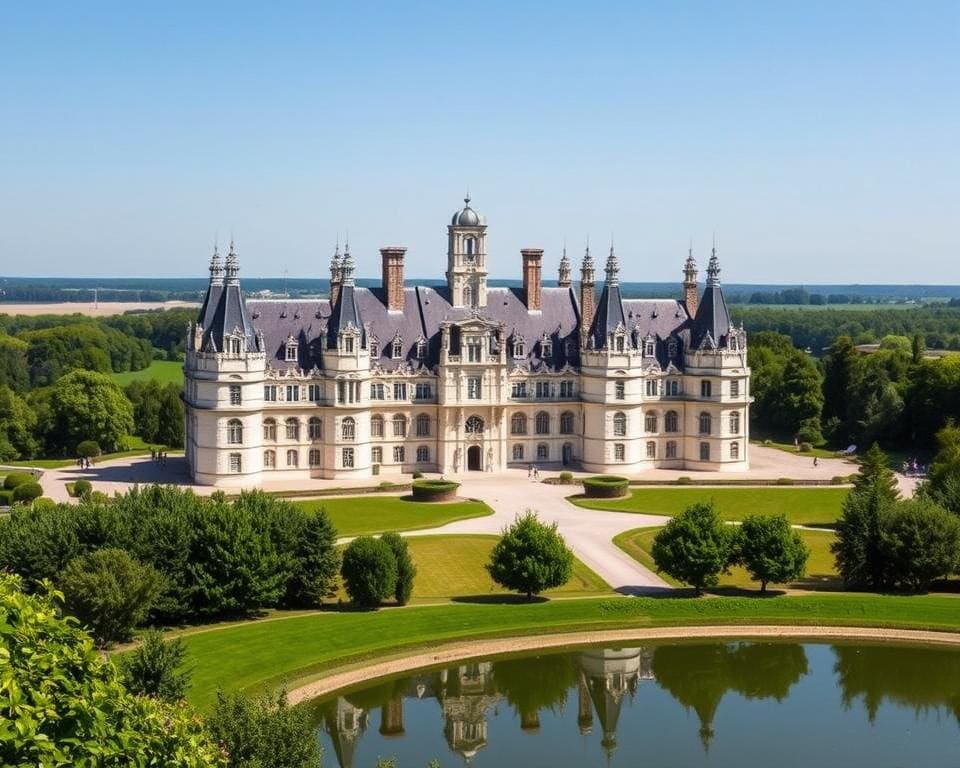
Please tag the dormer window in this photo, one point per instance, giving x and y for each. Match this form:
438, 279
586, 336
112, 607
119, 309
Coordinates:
568, 348
374, 349
396, 348
291, 351
547, 349
348, 344
619, 342
421, 349
518, 349
732, 343
235, 346
648, 348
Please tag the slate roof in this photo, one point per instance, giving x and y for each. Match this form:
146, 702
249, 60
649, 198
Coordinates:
712, 318
229, 314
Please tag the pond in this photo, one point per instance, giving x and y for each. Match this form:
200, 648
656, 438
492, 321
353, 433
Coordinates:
743, 704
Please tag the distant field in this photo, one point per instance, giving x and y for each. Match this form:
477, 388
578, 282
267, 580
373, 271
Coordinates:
821, 307
101, 309
164, 371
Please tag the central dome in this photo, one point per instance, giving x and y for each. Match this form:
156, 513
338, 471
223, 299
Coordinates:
467, 217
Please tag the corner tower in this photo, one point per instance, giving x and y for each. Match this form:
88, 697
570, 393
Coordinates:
467, 258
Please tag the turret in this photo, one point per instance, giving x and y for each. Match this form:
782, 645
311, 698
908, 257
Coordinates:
691, 294
563, 273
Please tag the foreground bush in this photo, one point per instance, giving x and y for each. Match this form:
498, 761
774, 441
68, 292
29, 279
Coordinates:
156, 668
770, 549
27, 492
63, 705
406, 570
369, 571
434, 490
14, 479
919, 542
82, 488
530, 557
605, 487
695, 547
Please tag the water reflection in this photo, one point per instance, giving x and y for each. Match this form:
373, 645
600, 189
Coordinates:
537, 709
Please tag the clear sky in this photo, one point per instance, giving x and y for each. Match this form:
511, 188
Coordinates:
819, 140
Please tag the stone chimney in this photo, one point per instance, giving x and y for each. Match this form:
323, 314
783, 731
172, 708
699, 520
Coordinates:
532, 264
392, 257
588, 294
691, 296
336, 276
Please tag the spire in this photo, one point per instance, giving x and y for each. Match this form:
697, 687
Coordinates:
232, 268
587, 269
346, 265
563, 274
216, 268
713, 267
335, 260
613, 268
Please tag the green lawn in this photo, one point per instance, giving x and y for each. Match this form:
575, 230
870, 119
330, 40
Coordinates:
257, 655
823, 453
821, 573
164, 371
358, 515
802, 506
136, 447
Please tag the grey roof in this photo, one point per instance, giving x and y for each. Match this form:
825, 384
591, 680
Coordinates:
712, 318
346, 314
608, 316
229, 315
467, 217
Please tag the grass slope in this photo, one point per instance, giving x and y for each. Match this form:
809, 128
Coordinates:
358, 515
802, 506
164, 371
262, 654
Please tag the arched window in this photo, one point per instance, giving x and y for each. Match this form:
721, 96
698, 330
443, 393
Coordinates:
269, 429
348, 428
650, 422
518, 424
474, 425
542, 422
651, 449
705, 423
293, 458
566, 423
543, 452
735, 451
671, 422
269, 459
735, 423
376, 426
315, 428
234, 431
619, 424
293, 428
470, 244
423, 454
314, 458
399, 425
423, 425
467, 296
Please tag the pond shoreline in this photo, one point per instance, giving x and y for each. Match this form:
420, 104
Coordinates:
448, 653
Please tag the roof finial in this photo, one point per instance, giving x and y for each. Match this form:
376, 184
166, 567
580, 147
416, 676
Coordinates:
713, 267
216, 268
613, 267
232, 266
466, 197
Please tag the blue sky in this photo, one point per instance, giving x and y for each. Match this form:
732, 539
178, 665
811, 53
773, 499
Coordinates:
819, 140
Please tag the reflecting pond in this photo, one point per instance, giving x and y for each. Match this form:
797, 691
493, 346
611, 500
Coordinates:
743, 704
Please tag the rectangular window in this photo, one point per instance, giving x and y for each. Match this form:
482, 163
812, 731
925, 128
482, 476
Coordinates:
234, 462
270, 393
671, 449
619, 452
474, 351
398, 454
473, 388
651, 450
348, 458
348, 344
519, 389
704, 451
566, 389
341, 391
547, 350
706, 389
376, 455
293, 393
235, 394
423, 454
315, 392
620, 390
735, 388
377, 391
543, 389
652, 388
399, 390
518, 453
423, 391
673, 387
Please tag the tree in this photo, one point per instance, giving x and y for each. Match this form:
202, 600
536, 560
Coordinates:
875, 474
406, 570
920, 542
530, 557
770, 550
943, 485
70, 706
156, 668
85, 405
88, 449
316, 562
17, 426
695, 547
170, 417
37, 544
369, 571
799, 395
857, 551
110, 592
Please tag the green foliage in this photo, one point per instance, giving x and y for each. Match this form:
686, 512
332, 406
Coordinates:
82, 488
84, 405
158, 411
369, 571
6, 497
857, 550
38, 543
786, 386
316, 562
695, 547
406, 570
565, 478
14, 479
88, 449
605, 486
875, 474
434, 490
944, 481
62, 704
264, 733
110, 592
17, 426
770, 550
156, 668
27, 492
14, 372
919, 542
530, 557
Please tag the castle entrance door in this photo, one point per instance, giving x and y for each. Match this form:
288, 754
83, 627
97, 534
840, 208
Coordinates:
474, 459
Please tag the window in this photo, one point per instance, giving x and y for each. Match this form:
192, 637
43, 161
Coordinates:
421, 349
569, 348
235, 431
566, 423
235, 463
423, 454
314, 458
341, 391
293, 393
543, 452
542, 423
374, 350
650, 422
293, 458
648, 349
235, 346
396, 349
473, 388
673, 388
620, 390
566, 389
518, 349
468, 294
671, 422
235, 394
735, 388
398, 454
518, 452
620, 424
315, 428
293, 429
618, 345
735, 451
470, 243
547, 349
347, 458
270, 393
423, 391
400, 390
735, 423
671, 449
519, 389
652, 387
376, 426
619, 452
474, 425
377, 391
543, 389
704, 451
399, 425
518, 424
348, 344
348, 429
269, 429
705, 423
423, 425
269, 459
291, 354
651, 449
706, 389
315, 393
376, 455
474, 351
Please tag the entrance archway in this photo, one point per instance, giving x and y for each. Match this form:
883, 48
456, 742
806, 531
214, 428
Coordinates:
474, 459
567, 454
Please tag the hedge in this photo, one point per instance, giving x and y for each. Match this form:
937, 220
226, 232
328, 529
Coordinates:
6, 497
27, 492
605, 486
17, 478
434, 490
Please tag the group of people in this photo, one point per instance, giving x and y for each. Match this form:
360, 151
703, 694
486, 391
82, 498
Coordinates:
533, 473
84, 462
160, 457
915, 468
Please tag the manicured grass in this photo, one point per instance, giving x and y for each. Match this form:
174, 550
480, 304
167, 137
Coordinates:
821, 572
802, 506
253, 656
137, 447
823, 453
358, 515
164, 371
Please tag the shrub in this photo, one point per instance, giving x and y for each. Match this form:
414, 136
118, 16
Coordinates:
806, 447
768, 441
530, 557
156, 668
88, 449
27, 492
770, 550
369, 571
566, 478
110, 592
434, 490
785, 481
82, 488
14, 479
385, 485
684, 480
809, 432
5, 497
406, 570
417, 475
919, 542
98, 497
605, 486
839, 480
695, 547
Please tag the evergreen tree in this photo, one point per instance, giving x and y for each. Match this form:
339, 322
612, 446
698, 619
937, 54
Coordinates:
406, 570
